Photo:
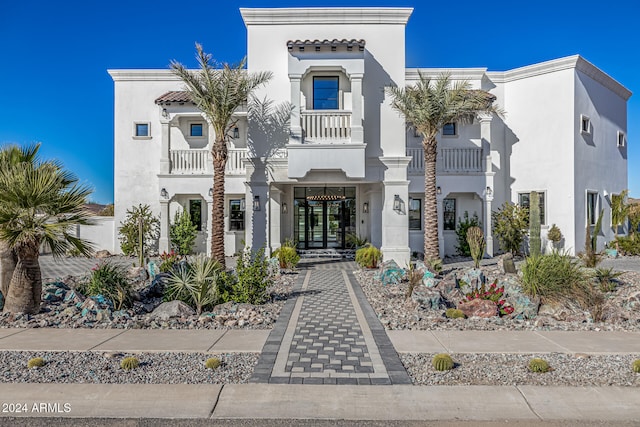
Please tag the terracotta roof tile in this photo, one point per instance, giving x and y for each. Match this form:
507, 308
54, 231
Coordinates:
333, 44
174, 96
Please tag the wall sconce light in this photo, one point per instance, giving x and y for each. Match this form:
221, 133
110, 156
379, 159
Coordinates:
243, 205
211, 192
236, 133
256, 203
163, 193
397, 203
365, 207
438, 190
489, 192
165, 113
284, 208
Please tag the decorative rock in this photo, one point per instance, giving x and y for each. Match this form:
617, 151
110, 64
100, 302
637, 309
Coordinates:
508, 264
391, 274
137, 274
103, 315
428, 298
523, 306
471, 279
479, 308
102, 254
170, 309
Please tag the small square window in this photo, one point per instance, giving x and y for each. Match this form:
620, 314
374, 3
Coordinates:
622, 139
141, 130
450, 129
196, 129
585, 124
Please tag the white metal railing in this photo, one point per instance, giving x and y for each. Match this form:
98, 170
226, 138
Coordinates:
190, 162
235, 156
326, 125
450, 160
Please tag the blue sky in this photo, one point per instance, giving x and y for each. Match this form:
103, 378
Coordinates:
56, 90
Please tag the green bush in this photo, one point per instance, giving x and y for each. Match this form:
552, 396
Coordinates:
212, 363
252, 278
510, 223
635, 366
538, 365
554, 234
129, 230
195, 283
36, 362
629, 245
477, 245
454, 313
368, 256
442, 362
555, 277
433, 264
129, 363
110, 281
461, 232
605, 277
287, 255
182, 233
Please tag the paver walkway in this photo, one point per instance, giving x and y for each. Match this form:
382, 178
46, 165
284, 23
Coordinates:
328, 334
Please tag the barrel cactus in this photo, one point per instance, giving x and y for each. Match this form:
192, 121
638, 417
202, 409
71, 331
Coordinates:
212, 363
454, 313
129, 363
636, 366
539, 365
475, 239
36, 362
442, 362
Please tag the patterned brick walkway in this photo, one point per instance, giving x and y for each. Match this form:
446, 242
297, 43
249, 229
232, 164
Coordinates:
328, 334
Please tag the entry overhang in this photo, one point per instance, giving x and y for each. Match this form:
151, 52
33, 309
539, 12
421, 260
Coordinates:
350, 158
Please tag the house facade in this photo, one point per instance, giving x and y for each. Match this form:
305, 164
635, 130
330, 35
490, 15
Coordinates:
346, 163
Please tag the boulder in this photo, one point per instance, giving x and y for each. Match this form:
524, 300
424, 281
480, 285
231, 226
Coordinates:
523, 306
479, 308
137, 274
102, 254
508, 264
428, 298
471, 279
170, 309
391, 274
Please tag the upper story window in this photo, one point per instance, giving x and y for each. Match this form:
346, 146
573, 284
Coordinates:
622, 139
325, 93
450, 129
592, 207
196, 129
142, 130
585, 124
524, 202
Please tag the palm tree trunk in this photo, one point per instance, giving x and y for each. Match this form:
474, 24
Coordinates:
431, 244
219, 152
7, 266
25, 290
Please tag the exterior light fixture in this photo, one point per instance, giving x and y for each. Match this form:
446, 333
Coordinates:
163, 193
489, 192
165, 113
284, 208
438, 190
256, 203
236, 133
397, 203
365, 207
211, 192
243, 205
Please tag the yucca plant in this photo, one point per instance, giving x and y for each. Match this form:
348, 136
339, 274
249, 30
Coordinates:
195, 282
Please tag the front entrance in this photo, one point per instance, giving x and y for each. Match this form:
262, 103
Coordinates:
323, 216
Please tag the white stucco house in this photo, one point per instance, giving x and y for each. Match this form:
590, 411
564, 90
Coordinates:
348, 163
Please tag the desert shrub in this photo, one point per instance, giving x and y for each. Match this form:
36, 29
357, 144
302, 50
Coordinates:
510, 223
477, 245
635, 366
606, 278
129, 363
538, 365
287, 255
129, 232
168, 261
465, 224
433, 264
554, 234
368, 256
555, 277
442, 362
492, 293
454, 313
36, 362
252, 278
107, 211
212, 363
195, 283
182, 233
352, 240
591, 257
415, 278
634, 217
629, 245
110, 281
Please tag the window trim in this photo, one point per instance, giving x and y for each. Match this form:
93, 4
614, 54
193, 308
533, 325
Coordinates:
419, 200
191, 125
543, 211
237, 202
455, 130
135, 130
313, 90
200, 225
455, 211
585, 119
596, 207
621, 139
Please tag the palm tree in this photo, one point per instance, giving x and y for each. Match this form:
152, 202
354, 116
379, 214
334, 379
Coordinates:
10, 156
428, 106
218, 89
40, 204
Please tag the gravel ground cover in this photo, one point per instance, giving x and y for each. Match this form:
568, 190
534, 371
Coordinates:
511, 369
104, 368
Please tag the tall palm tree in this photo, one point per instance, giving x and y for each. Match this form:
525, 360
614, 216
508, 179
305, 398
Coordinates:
218, 89
428, 106
10, 156
40, 203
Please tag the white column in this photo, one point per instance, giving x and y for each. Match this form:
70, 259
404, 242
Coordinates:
395, 223
295, 135
165, 163
164, 243
357, 132
485, 135
488, 234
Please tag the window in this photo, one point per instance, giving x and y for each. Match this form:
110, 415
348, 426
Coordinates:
450, 129
523, 201
622, 139
449, 214
592, 207
195, 211
325, 93
236, 216
415, 214
196, 129
141, 130
585, 124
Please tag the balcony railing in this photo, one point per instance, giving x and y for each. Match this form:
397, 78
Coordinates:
326, 125
235, 157
450, 160
190, 162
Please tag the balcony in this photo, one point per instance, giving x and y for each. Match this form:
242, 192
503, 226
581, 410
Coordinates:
326, 126
450, 161
199, 162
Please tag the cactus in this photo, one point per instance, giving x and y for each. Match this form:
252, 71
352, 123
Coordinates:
475, 239
635, 366
539, 365
36, 362
212, 363
454, 313
129, 363
442, 362
534, 224
554, 234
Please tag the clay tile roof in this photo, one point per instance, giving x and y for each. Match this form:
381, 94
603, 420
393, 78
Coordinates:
174, 96
333, 44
